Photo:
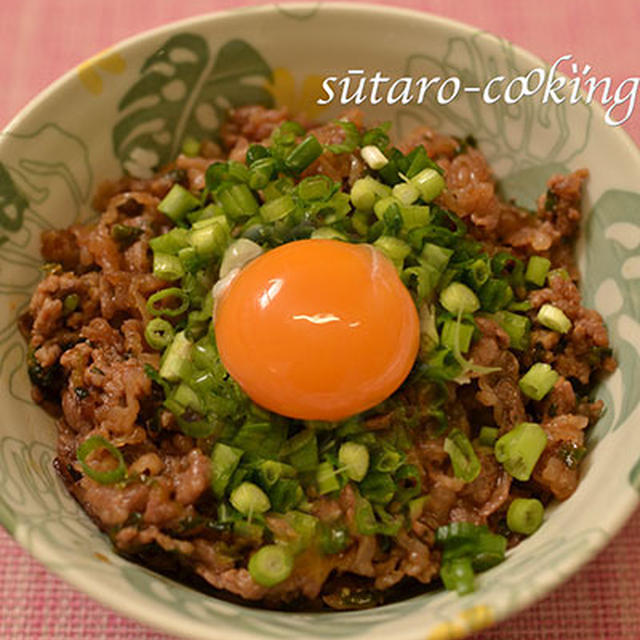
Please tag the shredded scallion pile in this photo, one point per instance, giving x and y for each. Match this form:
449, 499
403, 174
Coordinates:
264, 463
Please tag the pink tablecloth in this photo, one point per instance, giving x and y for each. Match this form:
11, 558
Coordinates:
39, 39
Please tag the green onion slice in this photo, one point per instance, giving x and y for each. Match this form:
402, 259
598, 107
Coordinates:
271, 565
158, 333
519, 450
249, 498
538, 381
466, 465
354, 457
457, 575
168, 294
92, 444
525, 515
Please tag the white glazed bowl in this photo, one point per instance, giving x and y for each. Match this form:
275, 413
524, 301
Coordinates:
79, 132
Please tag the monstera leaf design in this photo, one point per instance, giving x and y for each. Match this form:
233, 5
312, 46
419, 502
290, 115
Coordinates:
613, 251
33, 180
513, 136
183, 92
525, 186
12, 204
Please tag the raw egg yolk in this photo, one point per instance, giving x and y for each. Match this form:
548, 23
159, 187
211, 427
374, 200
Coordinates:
318, 329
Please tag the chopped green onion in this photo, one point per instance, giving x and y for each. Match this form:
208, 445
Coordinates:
478, 273
224, 461
334, 538
525, 515
249, 498
558, 273
285, 495
429, 183
256, 152
458, 532
485, 550
553, 318
458, 298
170, 242
417, 160
178, 202
175, 362
466, 465
516, 327
495, 294
276, 188
167, 267
416, 507
368, 525
538, 381
168, 294
270, 471
186, 397
537, 269
427, 278
261, 172
303, 155
302, 450
415, 216
305, 526
339, 205
326, 478
92, 444
394, 249
457, 575
125, 234
354, 457
409, 483
464, 539
436, 256
405, 193
328, 233
520, 305
378, 487
315, 188
277, 208
452, 331
386, 207
387, 460
261, 437
366, 191
191, 422
190, 259
246, 529
237, 171
70, 303
519, 450
487, 436
271, 565
210, 237
158, 333
351, 138
377, 136
374, 157
238, 201
190, 147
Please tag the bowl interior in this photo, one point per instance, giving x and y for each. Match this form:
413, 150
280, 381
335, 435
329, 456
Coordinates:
130, 107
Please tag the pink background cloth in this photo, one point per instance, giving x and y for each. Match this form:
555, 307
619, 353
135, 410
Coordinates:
41, 39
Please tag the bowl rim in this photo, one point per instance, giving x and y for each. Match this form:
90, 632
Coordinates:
567, 567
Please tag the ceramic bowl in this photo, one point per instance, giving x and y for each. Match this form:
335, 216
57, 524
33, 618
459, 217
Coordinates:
129, 108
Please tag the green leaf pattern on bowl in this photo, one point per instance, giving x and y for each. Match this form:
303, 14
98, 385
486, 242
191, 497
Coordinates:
183, 92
